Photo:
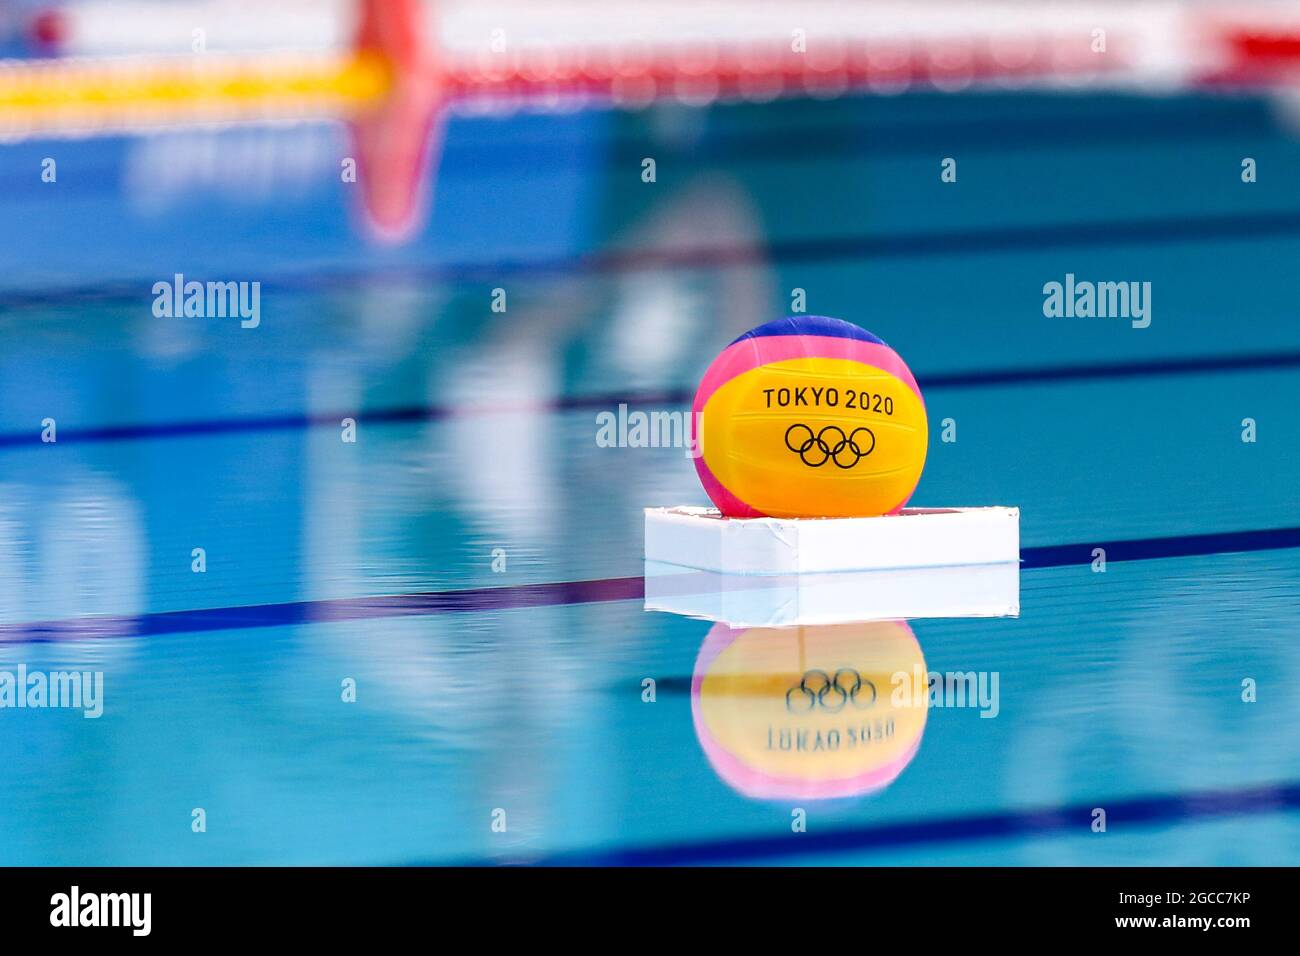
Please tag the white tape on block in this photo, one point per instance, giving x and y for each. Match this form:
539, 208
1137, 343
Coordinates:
701, 538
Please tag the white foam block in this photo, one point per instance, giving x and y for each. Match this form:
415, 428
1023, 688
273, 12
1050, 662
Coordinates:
784, 600
701, 538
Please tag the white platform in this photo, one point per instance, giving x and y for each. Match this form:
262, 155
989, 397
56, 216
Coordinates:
785, 600
702, 539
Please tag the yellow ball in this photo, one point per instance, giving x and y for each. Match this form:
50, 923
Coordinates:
809, 417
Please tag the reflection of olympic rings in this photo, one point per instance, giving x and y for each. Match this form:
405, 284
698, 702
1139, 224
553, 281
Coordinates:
819, 689
836, 448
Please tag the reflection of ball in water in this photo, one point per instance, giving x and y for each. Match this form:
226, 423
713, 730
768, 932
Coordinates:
809, 417
808, 712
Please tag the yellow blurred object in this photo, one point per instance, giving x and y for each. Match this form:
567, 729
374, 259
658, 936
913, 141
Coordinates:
127, 92
808, 712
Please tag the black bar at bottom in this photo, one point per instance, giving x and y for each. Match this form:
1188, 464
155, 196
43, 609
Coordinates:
330, 905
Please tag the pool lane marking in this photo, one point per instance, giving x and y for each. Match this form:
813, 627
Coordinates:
566, 593
551, 594
296, 421
1110, 371
1012, 238
1148, 549
1037, 822
1094, 371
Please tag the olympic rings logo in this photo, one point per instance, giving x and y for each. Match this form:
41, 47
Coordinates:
831, 693
829, 444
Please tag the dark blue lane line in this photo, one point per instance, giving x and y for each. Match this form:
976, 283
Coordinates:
1147, 549
1075, 819
1110, 371
996, 239
561, 593
298, 422
1094, 371
339, 609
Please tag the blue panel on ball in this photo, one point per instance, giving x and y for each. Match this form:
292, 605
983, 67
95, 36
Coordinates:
811, 325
